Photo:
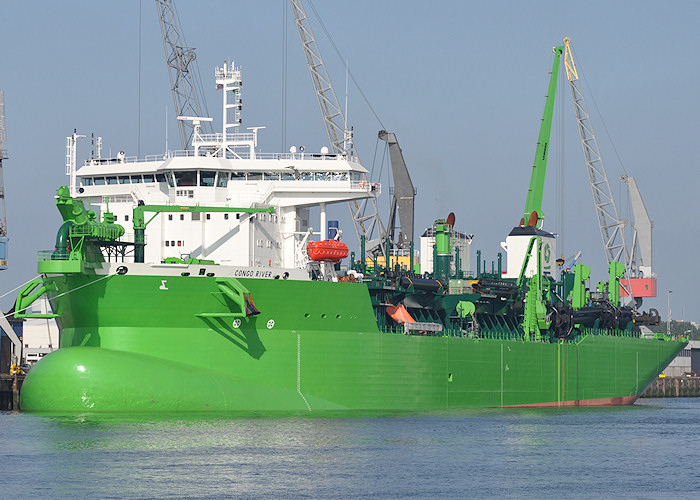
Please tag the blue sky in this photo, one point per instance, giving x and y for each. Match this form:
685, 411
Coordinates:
461, 84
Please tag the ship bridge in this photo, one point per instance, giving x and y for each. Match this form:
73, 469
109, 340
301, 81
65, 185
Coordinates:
224, 170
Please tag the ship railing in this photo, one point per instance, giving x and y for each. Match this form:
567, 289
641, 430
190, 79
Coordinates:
454, 332
244, 155
610, 332
44, 255
218, 138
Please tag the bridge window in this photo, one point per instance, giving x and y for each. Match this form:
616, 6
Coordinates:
222, 179
136, 179
186, 178
237, 176
160, 177
148, 178
271, 176
169, 178
255, 176
86, 181
112, 180
206, 178
99, 181
124, 179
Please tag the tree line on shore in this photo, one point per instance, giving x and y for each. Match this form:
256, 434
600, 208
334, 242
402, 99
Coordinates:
680, 328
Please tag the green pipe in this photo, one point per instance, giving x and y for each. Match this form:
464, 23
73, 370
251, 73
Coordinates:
62, 239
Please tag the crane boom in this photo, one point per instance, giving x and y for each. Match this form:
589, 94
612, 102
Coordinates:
179, 58
640, 253
533, 215
404, 193
609, 222
3, 219
339, 137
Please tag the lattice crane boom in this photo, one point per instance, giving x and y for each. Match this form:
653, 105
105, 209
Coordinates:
609, 222
3, 155
179, 59
339, 137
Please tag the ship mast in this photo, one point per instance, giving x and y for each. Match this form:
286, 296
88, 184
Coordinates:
339, 137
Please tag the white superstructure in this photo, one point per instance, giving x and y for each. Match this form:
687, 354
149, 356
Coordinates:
224, 170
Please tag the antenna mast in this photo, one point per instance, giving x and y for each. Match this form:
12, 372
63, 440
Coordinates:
179, 57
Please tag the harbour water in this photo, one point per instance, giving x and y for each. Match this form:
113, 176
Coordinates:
649, 450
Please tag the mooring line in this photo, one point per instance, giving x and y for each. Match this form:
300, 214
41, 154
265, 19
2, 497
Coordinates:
18, 287
60, 294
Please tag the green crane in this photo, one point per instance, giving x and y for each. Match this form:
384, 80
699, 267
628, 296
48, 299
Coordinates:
533, 214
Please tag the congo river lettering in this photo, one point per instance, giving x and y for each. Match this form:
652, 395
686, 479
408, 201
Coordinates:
249, 273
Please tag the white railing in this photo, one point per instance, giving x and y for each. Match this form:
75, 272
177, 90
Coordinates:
244, 155
219, 137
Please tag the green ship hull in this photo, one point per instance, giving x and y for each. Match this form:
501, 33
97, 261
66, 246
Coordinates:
138, 342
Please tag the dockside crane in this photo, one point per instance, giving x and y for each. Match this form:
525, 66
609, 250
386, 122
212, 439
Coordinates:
180, 59
365, 218
640, 281
403, 196
4, 324
3, 218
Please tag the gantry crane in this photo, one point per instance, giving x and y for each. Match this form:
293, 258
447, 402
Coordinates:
180, 59
339, 136
640, 281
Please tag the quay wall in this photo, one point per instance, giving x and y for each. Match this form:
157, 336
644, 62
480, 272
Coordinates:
10, 386
673, 387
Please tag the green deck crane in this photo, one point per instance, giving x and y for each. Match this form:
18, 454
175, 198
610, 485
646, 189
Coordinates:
533, 214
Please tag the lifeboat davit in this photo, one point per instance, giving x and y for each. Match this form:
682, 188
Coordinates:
327, 251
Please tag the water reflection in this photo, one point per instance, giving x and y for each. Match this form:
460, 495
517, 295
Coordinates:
492, 452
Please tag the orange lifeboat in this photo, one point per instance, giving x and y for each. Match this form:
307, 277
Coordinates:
327, 251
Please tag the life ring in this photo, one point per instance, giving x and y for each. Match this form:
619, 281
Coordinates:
363, 184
